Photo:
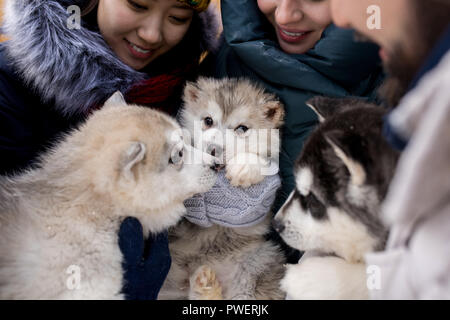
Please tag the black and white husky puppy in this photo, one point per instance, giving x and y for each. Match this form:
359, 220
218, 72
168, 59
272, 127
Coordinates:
342, 177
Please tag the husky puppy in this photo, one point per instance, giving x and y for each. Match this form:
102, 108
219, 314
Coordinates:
223, 262
65, 215
233, 119
342, 175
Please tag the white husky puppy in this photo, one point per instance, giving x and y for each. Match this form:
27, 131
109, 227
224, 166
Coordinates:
227, 261
124, 161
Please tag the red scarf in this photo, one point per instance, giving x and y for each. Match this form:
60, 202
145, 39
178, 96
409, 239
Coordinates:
157, 92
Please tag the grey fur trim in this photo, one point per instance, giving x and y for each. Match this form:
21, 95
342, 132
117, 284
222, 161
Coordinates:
74, 69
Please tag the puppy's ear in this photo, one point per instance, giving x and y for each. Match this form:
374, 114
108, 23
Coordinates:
274, 112
326, 107
191, 92
131, 156
342, 149
115, 100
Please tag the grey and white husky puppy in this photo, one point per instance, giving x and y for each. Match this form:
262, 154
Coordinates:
228, 262
342, 175
64, 216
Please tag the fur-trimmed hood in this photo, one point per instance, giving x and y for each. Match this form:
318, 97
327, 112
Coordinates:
74, 68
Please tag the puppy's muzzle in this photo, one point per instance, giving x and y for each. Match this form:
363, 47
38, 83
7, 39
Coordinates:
217, 152
217, 166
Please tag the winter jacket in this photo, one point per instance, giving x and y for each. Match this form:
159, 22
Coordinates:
416, 262
337, 67
52, 77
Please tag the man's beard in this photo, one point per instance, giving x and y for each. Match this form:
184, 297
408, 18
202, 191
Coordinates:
422, 31
401, 70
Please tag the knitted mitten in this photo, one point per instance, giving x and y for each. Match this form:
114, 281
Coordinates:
231, 206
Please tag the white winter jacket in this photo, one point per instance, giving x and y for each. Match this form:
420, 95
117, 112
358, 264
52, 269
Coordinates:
416, 263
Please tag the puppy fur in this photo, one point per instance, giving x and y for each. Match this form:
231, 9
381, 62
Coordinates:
68, 211
342, 176
219, 262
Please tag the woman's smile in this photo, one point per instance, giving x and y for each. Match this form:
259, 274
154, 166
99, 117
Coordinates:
139, 52
292, 36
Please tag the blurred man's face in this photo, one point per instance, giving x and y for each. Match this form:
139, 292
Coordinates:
395, 17
401, 36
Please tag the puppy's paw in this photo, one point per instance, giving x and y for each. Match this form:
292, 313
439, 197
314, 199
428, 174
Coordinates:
204, 285
245, 169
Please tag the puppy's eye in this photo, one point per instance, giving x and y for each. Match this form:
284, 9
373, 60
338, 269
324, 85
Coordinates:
316, 208
176, 159
241, 129
208, 122
302, 200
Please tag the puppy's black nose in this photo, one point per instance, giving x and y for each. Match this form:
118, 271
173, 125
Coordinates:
277, 225
217, 167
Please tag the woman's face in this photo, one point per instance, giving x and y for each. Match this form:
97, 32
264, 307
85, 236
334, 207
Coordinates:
298, 23
139, 31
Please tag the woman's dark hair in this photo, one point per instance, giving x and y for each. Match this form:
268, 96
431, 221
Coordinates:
88, 7
186, 52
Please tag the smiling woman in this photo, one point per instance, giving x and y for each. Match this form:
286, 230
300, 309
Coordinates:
140, 31
299, 24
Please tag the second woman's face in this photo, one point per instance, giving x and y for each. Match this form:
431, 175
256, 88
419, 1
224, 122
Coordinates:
139, 31
299, 24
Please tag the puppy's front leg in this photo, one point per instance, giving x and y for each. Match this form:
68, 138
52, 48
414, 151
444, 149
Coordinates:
325, 278
204, 285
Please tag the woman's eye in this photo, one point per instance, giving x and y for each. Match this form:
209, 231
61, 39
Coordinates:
241, 129
208, 121
178, 20
136, 5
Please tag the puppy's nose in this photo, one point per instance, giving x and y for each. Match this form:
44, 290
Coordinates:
217, 166
278, 225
